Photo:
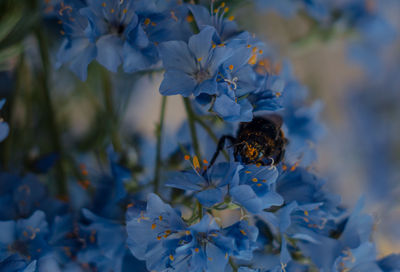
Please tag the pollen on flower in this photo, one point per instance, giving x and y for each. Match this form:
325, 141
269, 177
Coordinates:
187, 157
199, 59
146, 21
231, 67
259, 184
254, 179
171, 257
196, 250
153, 226
189, 18
205, 161
231, 18
160, 218
196, 163
243, 232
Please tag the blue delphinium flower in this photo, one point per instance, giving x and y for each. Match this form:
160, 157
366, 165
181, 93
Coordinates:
210, 186
114, 33
4, 128
226, 28
245, 239
159, 236
98, 249
192, 68
255, 189
25, 237
21, 196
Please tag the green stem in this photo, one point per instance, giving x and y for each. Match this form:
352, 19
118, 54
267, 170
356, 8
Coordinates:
111, 114
211, 134
192, 126
200, 209
159, 130
62, 190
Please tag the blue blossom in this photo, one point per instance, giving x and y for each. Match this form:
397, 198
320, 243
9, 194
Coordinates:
114, 33
20, 197
192, 68
255, 190
226, 28
245, 239
4, 128
210, 186
25, 237
390, 263
98, 249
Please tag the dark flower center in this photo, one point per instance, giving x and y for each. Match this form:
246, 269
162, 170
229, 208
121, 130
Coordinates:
202, 75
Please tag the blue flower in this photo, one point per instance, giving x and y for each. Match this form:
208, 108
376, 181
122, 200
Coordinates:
114, 33
245, 239
159, 236
154, 234
255, 190
192, 68
26, 237
210, 186
226, 28
4, 128
98, 249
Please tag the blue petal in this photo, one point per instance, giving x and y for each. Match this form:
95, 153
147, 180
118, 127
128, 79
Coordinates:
200, 44
216, 258
4, 130
186, 181
109, 48
177, 82
225, 107
176, 55
136, 60
7, 232
210, 197
245, 196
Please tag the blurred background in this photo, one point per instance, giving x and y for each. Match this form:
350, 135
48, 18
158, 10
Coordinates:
351, 65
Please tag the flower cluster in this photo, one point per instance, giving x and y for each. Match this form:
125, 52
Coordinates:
248, 201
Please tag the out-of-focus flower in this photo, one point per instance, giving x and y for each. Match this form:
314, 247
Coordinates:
26, 238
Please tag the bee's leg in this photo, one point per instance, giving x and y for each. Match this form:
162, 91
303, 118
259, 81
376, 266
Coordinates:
220, 147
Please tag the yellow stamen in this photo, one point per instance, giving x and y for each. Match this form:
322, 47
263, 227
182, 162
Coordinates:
125, 11
264, 180
153, 24
231, 18
196, 249
306, 213
153, 226
187, 157
226, 9
189, 18
104, 4
160, 218
243, 232
171, 257
199, 59
231, 67
260, 51
146, 21
196, 163
247, 172
249, 45
112, 10
254, 179
214, 45
259, 184
187, 232
222, 4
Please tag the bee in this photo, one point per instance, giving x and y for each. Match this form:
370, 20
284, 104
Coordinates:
260, 141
